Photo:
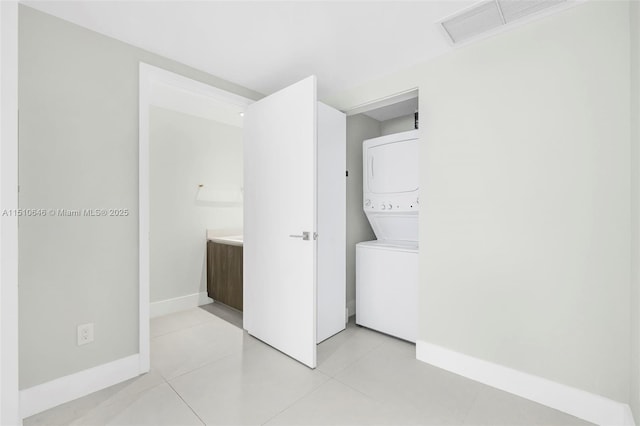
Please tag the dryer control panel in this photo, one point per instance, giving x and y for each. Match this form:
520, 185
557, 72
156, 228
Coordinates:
392, 203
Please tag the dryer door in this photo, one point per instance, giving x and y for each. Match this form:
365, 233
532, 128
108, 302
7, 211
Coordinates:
392, 167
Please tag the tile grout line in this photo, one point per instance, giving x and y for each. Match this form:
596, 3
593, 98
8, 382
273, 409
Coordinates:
329, 379
187, 327
352, 364
358, 390
187, 404
471, 405
208, 363
353, 332
361, 357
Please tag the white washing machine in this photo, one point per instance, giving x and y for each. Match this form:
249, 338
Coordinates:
387, 288
387, 268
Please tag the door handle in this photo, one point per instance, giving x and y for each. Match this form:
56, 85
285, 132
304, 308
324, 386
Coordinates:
304, 236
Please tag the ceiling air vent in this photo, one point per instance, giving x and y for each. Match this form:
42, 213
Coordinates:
486, 16
512, 10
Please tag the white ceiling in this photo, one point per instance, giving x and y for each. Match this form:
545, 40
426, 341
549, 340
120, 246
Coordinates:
267, 45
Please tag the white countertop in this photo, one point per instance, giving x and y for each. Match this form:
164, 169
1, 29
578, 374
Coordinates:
234, 240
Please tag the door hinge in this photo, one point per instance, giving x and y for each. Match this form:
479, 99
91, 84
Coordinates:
315, 235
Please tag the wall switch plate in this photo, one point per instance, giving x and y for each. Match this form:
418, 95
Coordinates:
85, 334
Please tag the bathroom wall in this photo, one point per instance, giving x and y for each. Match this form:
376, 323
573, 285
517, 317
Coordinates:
186, 151
359, 128
78, 100
525, 175
397, 125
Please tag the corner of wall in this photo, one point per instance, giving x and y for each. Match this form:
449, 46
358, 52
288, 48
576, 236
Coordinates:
9, 403
634, 16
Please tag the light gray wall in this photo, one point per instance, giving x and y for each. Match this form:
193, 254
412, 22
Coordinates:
635, 210
186, 151
525, 172
527, 252
78, 100
397, 125
359, 128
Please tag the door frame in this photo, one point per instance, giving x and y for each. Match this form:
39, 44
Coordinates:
9, 384
150, 75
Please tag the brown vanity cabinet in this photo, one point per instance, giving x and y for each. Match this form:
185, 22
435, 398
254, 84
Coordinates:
224, 273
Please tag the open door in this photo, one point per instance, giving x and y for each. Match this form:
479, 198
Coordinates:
280, 136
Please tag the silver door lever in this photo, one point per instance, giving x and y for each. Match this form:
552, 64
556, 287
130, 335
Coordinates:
304, 236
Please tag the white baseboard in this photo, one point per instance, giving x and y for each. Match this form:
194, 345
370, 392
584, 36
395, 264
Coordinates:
51, 394
351, 307
178, 304
588, 406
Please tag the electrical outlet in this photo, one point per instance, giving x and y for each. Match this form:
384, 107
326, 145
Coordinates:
85, 334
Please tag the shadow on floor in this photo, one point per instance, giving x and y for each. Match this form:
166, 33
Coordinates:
222, 311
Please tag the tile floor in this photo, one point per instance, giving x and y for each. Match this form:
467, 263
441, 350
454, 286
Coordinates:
207, 370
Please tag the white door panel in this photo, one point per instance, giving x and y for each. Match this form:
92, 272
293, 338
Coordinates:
279, 201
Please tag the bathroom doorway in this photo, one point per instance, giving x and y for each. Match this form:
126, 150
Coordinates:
190, 186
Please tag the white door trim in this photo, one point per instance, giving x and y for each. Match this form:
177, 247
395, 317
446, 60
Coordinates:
383, 102
150, 75
9, 396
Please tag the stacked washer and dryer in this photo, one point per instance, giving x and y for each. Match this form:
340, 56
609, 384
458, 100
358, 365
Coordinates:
387, 268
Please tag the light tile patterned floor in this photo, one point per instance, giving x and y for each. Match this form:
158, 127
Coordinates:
207, 370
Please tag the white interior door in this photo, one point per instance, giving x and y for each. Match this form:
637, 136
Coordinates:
279, 208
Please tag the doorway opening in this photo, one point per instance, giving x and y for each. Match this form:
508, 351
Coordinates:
190, 190
162, 93
382, 214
